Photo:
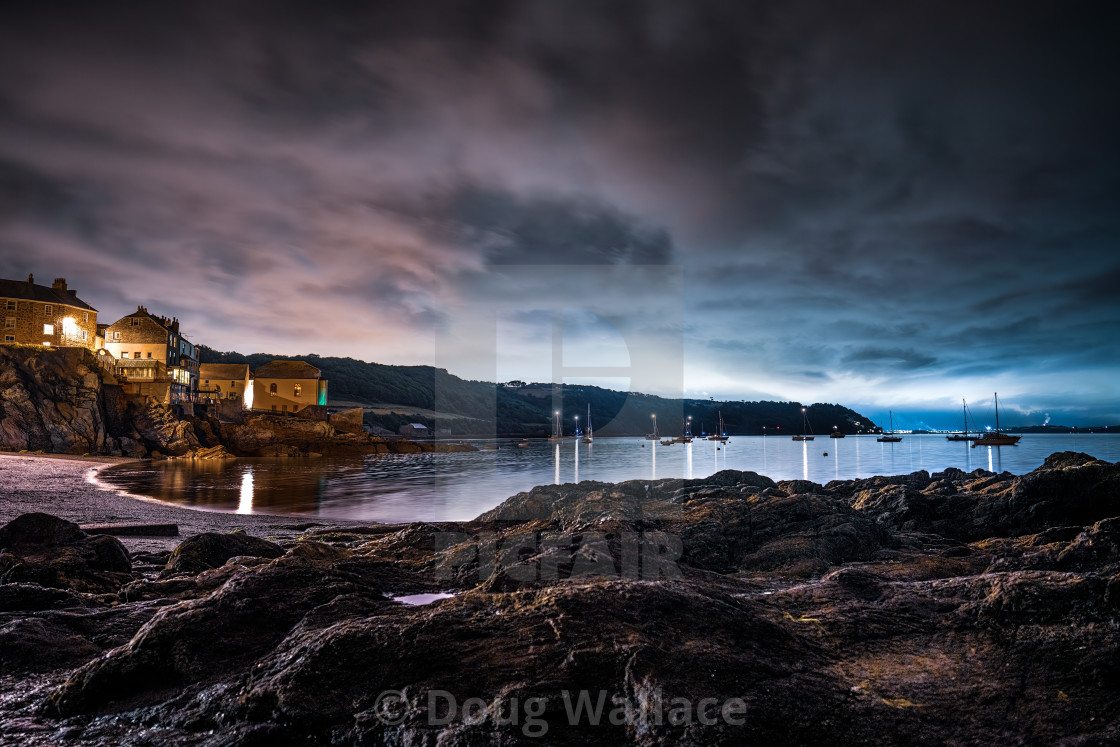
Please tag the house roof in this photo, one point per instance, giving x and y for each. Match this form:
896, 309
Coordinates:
22, 289
231, 371
286, 370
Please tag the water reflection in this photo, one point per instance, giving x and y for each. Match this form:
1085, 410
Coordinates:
457, 487
577, 460
245, 504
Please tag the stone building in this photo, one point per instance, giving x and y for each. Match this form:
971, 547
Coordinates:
288, 386
38, 315
226, 381
150, 350
415, 429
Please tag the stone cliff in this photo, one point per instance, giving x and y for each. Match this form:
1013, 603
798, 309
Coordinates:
59, 400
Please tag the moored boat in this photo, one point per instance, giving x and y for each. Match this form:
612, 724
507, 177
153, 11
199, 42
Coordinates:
889, 437
802, 435
963, 435
996, 437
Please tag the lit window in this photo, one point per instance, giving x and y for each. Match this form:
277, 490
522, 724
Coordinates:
46, 344
48, 329
297, 389
10, 322
272, 389
136, 354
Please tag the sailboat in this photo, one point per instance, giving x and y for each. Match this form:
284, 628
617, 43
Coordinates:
963, 435
719, 435
995, 438
802, 436
889, 437
590, 435
653, 436
557, 431
836, 432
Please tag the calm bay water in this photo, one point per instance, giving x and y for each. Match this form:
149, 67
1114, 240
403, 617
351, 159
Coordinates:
457, 487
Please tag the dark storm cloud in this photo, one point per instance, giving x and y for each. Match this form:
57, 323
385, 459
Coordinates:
880, 201
512, 230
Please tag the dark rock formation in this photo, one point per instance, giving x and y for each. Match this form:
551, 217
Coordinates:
51, 399
211, 550
52, 552
926, 609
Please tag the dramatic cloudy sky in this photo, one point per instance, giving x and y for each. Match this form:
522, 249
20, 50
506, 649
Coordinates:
878, 204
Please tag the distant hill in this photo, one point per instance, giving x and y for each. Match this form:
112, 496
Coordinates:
401, 394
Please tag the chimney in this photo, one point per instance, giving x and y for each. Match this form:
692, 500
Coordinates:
30, 279
59, 284
175, 326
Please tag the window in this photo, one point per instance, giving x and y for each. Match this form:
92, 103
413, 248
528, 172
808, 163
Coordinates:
10, 323
116, 335
85, 335
46, 344
48, 329
233, 383
272, 390
11, 305
149, 355
207, 381
296, 389
85, 316
48, 309
284, 408
9, 338
134, 321
136, 354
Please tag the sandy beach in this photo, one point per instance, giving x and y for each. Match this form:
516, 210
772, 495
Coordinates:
66, 486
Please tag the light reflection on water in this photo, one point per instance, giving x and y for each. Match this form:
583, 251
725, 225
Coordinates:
458, 487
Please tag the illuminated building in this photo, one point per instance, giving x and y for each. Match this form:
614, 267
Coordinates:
38, 315
153, 356
288, 386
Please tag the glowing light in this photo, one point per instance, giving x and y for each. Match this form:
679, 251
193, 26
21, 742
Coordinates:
245, 504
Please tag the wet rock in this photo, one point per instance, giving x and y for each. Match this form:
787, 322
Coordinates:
1069, 488
22, 596
34, 644
211, 550
51, 552
197, 640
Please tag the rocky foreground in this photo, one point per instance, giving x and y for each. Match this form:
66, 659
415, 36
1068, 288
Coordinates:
918, 609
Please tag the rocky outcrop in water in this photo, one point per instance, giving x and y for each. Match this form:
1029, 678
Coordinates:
926, 609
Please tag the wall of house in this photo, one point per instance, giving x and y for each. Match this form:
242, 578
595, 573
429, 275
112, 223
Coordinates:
155, 351
285, 398
23, 321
